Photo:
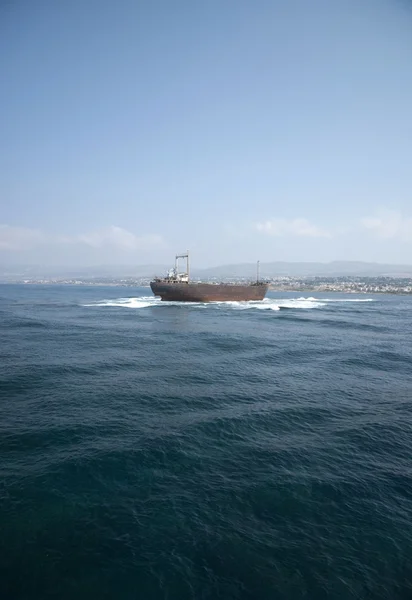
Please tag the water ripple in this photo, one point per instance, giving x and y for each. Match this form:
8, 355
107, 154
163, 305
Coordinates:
204, 451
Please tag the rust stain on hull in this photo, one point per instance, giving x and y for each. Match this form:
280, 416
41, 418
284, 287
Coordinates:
208, 292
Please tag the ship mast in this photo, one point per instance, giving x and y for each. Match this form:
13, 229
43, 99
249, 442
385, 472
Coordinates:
257, 272
186, 256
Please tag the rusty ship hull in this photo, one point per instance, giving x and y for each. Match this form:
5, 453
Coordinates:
208, 292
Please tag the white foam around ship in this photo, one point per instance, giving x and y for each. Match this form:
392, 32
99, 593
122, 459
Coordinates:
338, 299
140, 302
266, 304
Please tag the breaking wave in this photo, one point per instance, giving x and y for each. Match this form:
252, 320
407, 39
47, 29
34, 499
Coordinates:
339, 299
274, 304
139, 302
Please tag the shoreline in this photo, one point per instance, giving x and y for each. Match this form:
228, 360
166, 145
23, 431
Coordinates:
350, 288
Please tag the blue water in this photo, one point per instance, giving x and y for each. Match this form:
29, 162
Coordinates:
225, 451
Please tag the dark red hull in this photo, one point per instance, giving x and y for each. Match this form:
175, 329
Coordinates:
208, 292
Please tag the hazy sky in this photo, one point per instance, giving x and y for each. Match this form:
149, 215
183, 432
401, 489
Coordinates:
242, 130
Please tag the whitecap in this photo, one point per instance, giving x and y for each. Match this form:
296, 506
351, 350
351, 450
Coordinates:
274, 304
311, 299
139, 302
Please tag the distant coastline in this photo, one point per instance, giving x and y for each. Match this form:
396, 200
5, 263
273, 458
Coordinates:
313, 285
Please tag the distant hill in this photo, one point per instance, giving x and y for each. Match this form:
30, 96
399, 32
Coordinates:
306, 269
248, 270
39, 272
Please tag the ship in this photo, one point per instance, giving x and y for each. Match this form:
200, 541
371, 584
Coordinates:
177, 287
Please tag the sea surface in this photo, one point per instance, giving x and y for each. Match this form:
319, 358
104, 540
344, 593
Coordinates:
154, 450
